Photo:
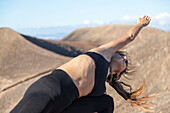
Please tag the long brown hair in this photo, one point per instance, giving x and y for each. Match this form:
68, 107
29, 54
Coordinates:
134, 97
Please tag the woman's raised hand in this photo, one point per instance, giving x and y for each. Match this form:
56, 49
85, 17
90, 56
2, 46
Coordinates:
144, 20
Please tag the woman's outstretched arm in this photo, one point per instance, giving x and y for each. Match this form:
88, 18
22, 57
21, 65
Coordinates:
108, 49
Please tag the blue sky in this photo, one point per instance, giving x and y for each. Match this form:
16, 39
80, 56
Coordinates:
49, 13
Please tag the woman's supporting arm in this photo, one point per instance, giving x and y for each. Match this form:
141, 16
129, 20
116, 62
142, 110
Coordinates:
108, 49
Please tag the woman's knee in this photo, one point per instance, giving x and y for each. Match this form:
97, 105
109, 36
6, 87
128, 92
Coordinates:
108, 100
107, 104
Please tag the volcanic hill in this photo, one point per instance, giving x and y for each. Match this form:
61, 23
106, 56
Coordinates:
23, 59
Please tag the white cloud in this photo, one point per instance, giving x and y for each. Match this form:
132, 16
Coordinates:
128, 18
161, 21
163, 16
98, 22
86, 22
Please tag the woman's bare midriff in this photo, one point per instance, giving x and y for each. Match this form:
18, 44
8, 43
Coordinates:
82, 71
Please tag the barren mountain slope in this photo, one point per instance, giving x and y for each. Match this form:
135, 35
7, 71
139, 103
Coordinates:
20, 58
21, 62
150, 53
102, 34
65, 48
152, 60
78, 46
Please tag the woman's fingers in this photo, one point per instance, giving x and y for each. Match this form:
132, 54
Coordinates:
149, 18
145, 20
146, 17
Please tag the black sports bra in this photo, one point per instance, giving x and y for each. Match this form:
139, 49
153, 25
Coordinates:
101, 71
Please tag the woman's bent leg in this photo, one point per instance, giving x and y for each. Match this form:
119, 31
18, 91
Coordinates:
37, 98
91, 104
50, 94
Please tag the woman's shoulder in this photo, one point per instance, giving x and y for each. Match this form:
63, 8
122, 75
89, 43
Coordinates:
80, 61
106, 57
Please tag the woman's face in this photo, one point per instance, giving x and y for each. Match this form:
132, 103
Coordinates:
118, 63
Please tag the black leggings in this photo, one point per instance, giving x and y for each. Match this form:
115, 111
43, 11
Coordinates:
91, 104
56, 93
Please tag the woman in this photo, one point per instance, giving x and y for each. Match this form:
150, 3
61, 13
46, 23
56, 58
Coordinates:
79, 85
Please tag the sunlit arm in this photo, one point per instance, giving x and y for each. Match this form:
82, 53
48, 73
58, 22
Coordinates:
108, 49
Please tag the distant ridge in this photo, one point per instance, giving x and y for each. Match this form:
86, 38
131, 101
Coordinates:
64, 48
103, 34
20, 58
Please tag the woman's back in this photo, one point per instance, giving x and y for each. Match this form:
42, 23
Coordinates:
82, 71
